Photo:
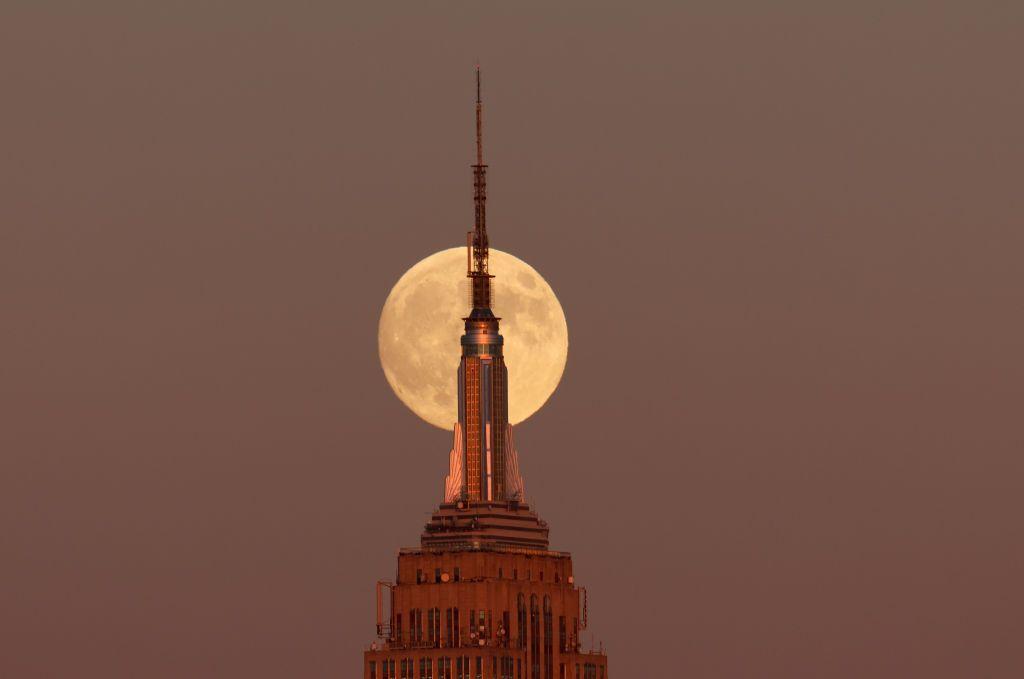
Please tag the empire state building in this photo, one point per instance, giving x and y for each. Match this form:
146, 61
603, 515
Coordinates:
483, 596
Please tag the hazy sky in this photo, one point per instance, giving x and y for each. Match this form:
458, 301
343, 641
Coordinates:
787, 237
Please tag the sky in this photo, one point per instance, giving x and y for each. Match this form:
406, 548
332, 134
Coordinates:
787, 238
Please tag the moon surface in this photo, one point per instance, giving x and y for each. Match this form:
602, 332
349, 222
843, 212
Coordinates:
420, 326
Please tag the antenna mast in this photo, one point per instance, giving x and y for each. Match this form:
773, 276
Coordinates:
478, 247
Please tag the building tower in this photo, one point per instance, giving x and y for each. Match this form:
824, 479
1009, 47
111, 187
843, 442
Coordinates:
483, 596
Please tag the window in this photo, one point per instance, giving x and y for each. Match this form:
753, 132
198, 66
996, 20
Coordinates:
449, 633
437, 575
398, 627
549, 662
561, 670
542, 576
434, 627
521, 622
506, 628
419, 575
457, 628
416, 625
426, 668
534, 638
444, 668
457, 574
515, 573
479, 668
562, 647
373, 669
501, 573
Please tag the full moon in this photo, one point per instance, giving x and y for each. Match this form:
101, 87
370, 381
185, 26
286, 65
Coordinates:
420, 326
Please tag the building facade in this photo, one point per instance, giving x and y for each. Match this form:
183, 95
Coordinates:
483, 596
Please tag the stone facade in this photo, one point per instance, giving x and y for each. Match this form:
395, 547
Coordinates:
484, 614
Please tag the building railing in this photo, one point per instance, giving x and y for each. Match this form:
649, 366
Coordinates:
468, 642
482, 547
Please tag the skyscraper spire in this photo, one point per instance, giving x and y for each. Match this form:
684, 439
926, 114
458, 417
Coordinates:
483, 464
484, 552
478, 246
